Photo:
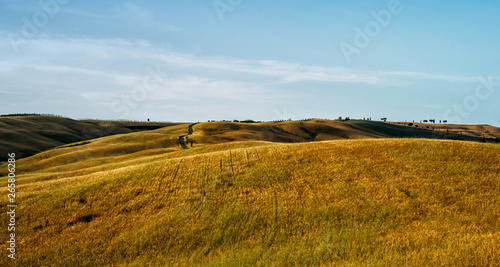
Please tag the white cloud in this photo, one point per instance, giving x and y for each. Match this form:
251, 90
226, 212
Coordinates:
90, 73
81, 13
291, 72
428, 76
134, 11
96, 95
201, 88
11, 92
97, 71
108, 58
144, 17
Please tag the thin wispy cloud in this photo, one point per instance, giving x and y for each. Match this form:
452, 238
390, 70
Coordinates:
252, 61
71, 54
293, 72
108, 74
11, 92
101, 71
144, 17
429, 76
134, 11
82, 13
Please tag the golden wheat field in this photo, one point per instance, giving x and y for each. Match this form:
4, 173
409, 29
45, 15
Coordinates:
141, 200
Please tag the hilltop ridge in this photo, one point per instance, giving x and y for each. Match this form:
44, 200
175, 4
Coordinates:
29, 135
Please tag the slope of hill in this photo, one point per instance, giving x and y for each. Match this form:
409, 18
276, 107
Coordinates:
476, 131
28, 135
164, 140
385, 202
400, 131
109, 149
285, 132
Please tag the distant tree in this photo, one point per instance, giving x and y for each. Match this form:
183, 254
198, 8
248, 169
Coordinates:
383, 119
425, 121
433, 121
445, 121
340, 118
410, 124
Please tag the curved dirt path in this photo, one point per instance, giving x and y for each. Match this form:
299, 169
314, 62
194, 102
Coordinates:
181, 138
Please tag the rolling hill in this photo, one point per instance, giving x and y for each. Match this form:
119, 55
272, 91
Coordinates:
28, 135
474, 131
403, 131
260, 194
131, 200
284, 132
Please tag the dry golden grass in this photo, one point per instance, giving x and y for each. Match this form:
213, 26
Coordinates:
481, 130
107, 149
387, 202
28, 135
285, 132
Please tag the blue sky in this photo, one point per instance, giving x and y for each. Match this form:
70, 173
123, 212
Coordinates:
262, 60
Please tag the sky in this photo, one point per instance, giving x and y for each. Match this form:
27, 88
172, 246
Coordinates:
262, 60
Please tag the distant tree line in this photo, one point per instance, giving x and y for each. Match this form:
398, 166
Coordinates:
289, 119
121, 120
433, 121
422, 121
31, 114
244, 121
86, 119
